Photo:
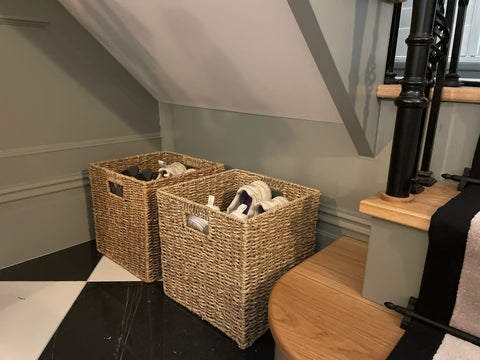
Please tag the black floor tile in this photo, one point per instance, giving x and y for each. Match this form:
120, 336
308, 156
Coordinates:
73, 264
134, 320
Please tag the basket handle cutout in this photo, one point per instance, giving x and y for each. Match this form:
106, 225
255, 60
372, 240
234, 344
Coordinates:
200, 220
115, 188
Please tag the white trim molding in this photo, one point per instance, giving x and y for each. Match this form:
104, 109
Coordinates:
41, 149
13, 21
336, 222
25, 191
345, 219
67, 181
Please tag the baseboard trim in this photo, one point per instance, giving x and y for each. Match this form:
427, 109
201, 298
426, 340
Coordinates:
41, 149
347, 222
25, 191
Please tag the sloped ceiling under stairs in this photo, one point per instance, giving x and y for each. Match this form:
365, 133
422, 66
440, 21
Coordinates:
245, 56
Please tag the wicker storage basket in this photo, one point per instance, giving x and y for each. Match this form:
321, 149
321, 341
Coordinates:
126, 226
226, 277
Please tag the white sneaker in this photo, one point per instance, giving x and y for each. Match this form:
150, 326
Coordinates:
238, 212
173, 169
250, 195
199, 223
211, 201
270, 204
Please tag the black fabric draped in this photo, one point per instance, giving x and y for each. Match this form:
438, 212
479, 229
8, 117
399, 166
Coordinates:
443, 265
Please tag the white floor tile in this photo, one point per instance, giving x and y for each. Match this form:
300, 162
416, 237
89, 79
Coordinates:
107, 270
30, 312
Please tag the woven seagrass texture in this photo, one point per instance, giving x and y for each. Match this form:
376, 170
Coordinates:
126, 227
227, 276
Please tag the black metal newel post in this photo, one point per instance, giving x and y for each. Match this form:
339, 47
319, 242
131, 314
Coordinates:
392, 45
411, 100
452, 78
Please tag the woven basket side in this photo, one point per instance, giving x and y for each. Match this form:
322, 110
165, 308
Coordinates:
226, 276
125, 234
127, 227
200, 271
274, 244
97, 180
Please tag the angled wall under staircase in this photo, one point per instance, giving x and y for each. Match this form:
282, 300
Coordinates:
258, 57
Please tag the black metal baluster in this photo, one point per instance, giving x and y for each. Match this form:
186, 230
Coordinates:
416, 186
392, 45
452, 78
411, 100
442, 51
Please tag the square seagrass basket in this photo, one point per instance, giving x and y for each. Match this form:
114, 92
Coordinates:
126, 221
226, 276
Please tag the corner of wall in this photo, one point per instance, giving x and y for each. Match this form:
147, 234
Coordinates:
166, 126
334, 223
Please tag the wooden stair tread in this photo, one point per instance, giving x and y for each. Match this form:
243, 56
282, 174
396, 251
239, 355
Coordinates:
417, 213
316, 310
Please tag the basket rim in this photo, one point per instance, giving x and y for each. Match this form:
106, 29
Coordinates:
99, 165
260, 217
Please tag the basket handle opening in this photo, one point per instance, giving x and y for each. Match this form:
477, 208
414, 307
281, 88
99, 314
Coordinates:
197, 223
115, 189
115, 186
197, 220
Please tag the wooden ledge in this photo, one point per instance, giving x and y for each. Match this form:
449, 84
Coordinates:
451, 94
417, 213
316, 310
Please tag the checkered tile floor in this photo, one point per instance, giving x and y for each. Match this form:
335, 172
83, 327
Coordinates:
76, 304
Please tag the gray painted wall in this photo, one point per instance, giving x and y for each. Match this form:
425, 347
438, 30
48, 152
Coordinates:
67, 102
318, 155
322, 155
357, 35
64, 102
314, 154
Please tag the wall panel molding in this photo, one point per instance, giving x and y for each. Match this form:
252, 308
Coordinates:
14, 21
336, 222
41, 149
26, 191
346, 219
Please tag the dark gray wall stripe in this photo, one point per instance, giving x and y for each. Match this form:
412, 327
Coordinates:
308, 24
